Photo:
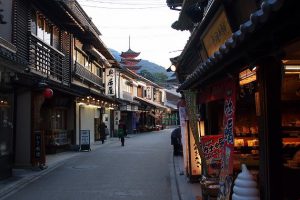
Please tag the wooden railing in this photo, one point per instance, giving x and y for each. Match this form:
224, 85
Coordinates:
45, 60
87, 75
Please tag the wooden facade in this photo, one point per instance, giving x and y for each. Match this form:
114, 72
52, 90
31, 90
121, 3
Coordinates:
265, 35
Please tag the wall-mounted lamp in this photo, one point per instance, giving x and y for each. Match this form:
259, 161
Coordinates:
173, 68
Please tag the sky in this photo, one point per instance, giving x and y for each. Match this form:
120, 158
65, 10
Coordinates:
147, 22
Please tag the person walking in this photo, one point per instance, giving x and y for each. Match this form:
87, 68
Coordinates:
122, 132
102, 128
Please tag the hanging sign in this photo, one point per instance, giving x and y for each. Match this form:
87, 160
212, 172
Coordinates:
110, 83
218, 32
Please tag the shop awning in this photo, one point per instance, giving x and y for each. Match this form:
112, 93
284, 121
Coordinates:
151, 103
241, 36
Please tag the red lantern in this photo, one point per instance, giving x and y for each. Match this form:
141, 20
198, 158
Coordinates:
48, 93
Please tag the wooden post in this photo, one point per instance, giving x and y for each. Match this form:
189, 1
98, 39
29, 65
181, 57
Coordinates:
269, 76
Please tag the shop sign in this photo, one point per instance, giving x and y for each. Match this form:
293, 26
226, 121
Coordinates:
227, 154
218, 32
117, 117
212, 146
195, 159
39, 157
149, 92
85, 140
110, 82
183, 118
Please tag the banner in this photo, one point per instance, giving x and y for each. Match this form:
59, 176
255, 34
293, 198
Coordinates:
226, 178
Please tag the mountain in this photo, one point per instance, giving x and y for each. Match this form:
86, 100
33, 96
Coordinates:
145, 64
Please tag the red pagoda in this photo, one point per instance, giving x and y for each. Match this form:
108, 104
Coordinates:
129, 61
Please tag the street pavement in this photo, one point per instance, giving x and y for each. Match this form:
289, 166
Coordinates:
181, 188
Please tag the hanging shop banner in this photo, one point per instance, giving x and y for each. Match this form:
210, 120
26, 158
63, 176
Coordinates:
227, 153
85, 144
110, 83
212, 146
183, 119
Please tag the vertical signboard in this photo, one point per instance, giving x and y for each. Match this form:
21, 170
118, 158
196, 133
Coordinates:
85, 144
117, 117
38, 158
110, 81
194, 156
149, 92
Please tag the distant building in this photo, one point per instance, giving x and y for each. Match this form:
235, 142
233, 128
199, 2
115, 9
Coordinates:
129, 61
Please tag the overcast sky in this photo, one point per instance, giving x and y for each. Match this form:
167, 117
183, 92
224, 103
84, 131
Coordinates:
148, 22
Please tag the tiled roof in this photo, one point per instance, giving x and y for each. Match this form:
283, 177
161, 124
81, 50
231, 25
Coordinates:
256, 19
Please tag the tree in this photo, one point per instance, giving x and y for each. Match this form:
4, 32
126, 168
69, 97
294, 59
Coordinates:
160, 78
147, 75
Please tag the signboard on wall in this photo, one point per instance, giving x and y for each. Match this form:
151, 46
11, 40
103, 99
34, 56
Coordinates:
218, 32
149, 92
110, 81
117, 117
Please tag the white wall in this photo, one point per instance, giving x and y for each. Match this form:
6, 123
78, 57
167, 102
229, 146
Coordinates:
85, 120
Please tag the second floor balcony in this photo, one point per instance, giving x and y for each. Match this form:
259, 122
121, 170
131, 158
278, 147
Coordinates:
85, 74
46, 61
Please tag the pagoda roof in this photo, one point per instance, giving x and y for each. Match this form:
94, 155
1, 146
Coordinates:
130, 54
130, 62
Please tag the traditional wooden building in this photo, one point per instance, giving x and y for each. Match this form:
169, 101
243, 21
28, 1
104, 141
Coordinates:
58, 63
241, 63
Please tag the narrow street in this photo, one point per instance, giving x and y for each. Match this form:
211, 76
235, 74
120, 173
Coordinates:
139, 170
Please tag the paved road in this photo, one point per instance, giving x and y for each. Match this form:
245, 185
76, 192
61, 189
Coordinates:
138, 171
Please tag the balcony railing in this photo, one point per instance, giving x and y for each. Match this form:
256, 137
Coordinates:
45, 60
87, 75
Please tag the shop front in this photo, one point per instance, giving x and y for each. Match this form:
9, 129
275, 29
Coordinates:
6, 133
258, 117
53, 115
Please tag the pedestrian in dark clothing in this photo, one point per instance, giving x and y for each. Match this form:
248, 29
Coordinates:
122, 132
102, 128
176, 141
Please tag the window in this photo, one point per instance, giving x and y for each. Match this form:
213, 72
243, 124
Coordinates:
79, 56
97, 70
44, 30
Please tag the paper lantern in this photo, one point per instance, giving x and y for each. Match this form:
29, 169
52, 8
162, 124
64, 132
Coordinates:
48, 93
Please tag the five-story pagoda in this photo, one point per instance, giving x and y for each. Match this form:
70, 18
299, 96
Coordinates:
129, 61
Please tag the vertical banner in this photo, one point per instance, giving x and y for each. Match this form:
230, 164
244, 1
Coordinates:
183, 119
110, 81
227, 155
